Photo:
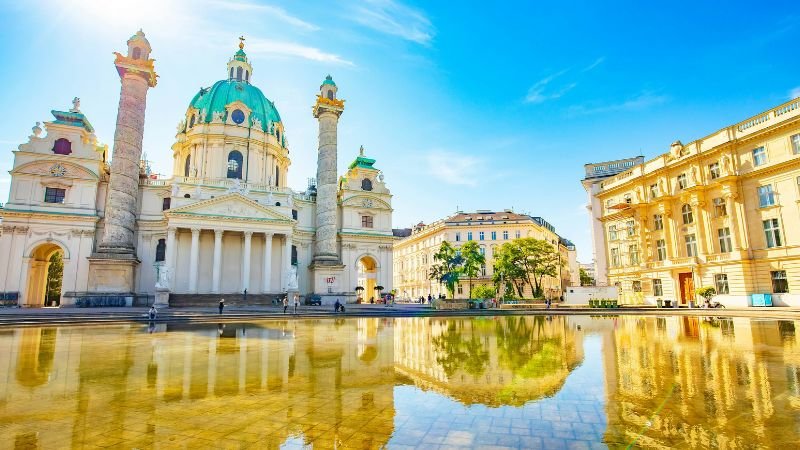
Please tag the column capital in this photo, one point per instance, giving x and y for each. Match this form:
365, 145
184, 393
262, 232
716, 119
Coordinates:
218, 233
248, 234
268, 234
195, 231
172, 229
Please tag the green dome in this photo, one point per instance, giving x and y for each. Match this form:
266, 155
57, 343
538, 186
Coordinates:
329, 80
224, 92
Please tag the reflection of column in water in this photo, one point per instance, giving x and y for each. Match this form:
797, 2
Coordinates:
213, 337
187, 364
242, 359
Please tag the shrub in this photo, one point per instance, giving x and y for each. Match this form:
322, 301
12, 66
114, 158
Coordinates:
706, 292
483, 291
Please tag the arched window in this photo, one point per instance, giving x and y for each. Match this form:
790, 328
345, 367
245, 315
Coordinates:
235, 165
330, 95
239, 72
187, 165
137, 53
187, 196
161, 250
294, 255
247, 75
278, 136
277, 176
191, 121
366, 184
686, 212
62, 147
231, 77
277, 203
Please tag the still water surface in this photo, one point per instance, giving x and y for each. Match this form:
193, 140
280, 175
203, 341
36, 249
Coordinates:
518, 382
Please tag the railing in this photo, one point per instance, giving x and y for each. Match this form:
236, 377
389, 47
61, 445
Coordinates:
753, 122
718, 257
218, 182
787, 108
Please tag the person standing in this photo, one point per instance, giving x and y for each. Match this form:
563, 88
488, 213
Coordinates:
153, 312
296, 302
285, 303
221, 305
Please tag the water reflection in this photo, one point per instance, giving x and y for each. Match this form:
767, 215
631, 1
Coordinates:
371, 382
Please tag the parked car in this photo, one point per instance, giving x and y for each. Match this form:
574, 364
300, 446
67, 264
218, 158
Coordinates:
314, 300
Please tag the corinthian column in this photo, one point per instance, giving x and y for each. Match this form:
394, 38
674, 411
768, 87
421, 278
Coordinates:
137, 74
194, 255
217, 264
248, 236
266, 276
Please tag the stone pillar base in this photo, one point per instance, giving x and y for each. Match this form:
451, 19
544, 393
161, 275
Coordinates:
326, 281
162, 298
112, 273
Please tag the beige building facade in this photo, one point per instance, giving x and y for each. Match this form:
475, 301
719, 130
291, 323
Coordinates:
413, 254
721, 211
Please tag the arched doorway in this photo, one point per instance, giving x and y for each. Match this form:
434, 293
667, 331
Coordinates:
45, 274
367, 278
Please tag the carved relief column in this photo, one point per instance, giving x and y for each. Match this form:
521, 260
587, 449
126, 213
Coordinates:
193, 260
266, 276
287, 261
248, 236
215, 274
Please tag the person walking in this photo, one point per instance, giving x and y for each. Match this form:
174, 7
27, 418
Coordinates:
221, 305
285, 303
296, 302
153, 312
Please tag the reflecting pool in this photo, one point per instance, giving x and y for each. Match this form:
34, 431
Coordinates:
517, 382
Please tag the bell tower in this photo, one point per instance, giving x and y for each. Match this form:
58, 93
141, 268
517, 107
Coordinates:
326, 266
112, 267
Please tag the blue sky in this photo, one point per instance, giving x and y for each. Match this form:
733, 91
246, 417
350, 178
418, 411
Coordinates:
471, 107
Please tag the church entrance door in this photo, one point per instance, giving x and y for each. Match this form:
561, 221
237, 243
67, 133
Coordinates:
368, 279
45, 274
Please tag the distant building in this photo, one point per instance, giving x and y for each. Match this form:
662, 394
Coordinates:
589, 269
721, 211
413, 255
595, 174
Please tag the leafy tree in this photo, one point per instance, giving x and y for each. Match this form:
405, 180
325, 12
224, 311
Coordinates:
55, 274
447, 267
473, 261
586, 280
507, 270
528, 261
706, 292
484, 291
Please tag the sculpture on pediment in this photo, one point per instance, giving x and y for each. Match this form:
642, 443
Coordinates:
236, 187
216, 117
181, 126
726, 165
175, 189
270, 199
256, 123
290, 201
76, 105
203, 115
37, 130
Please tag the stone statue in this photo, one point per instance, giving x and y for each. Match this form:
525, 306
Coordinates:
291, 279
380, 177
181, 126
639, 196
203, 116
270, 199
290, 201
76, 105
694, 176
175, 189
661, 189
256, 123
37, 129
163, 277
216, 117
726, 165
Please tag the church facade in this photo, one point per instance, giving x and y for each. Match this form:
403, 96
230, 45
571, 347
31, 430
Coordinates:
225, 223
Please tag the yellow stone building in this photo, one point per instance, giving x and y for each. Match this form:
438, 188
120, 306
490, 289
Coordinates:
721, 211
413, 254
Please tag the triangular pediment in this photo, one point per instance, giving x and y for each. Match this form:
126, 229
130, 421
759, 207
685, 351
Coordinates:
231, 206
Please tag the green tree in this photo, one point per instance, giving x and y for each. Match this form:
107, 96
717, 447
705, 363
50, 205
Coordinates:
473, 260
507, 270
586, 280
55, 274
446, 268
528, 261
484, 291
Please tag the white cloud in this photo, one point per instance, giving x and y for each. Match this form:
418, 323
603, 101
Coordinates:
274, 11
596, 63
642, 101
394, 18
270, 47
794, 93
539, 93
454, 168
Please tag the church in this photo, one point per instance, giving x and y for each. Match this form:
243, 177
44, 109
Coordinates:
225, 224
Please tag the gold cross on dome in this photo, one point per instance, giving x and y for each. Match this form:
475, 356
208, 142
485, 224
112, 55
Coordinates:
241, 42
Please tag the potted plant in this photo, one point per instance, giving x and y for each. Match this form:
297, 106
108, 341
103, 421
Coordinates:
706, 292
359, 290
660, 302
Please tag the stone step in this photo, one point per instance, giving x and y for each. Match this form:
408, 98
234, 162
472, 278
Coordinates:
212, 300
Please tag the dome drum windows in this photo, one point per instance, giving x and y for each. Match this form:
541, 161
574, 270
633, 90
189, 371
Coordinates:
237, 116
235, 161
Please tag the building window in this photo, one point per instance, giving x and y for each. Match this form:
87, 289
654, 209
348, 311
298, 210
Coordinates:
460, 289
724, 235
483, 270
494, 235
779, 283
633, 251
759, 156
721, 283
277, 176
637, 286
54, 195
62, 147
480, 235
187, 165
517, 234
469, 235
294, 214
720, 208
682, 183
691, 245
773, 233
614, 257
661, 250
658, 290
165, 203
366, 184
631, 227
191, 121
239, 72
366, 221
612, 232
658, 222
235, 165
137, 53
294, 255
713, 169
653, 191
161, 250
627, 198
458, 237
237, 116
505, 235
796, 143
686, 213
766, 196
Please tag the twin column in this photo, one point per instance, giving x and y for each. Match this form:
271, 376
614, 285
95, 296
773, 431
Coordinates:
194, 257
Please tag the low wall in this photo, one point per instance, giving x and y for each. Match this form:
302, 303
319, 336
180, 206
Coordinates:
580, 295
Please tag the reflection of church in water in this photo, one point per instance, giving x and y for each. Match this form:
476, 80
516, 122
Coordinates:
224, 222
336, 381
